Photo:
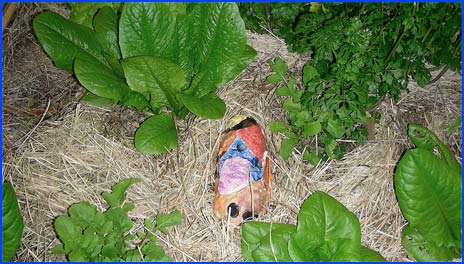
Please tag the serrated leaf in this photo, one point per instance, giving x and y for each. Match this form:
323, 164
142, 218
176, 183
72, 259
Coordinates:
148, 224
121, 222
274, 78
209, 106
12, 222
78, 255
277, 126
311, 129
283, 91
157, 134
335, 128
128, 207
116, 197
57, 34
309, 72
286, 147
83, 213
290, 106
154, 252
109, 251
163, 221
279, 66
68, 232
133, 256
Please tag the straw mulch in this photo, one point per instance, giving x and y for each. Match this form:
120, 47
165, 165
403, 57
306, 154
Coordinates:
58, 151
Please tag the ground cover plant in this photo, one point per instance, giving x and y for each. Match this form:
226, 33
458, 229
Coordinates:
166, 59
428, 186
90, 235
361, 53
326, 231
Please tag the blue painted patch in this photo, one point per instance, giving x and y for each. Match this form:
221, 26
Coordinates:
240, 149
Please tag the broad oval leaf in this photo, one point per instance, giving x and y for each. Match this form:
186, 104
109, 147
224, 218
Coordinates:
12, 222
209, 106
331, 225
157, 134
256, 234
216, 44
369, 255
105, 24
157, 78
64, 40
429, 194
146, 29
83, 213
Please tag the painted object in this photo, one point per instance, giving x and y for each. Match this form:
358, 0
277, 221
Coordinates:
243, 172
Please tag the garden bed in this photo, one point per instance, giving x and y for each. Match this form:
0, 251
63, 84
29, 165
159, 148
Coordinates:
58, 151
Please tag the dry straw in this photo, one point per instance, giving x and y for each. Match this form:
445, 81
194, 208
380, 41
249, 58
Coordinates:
58, 151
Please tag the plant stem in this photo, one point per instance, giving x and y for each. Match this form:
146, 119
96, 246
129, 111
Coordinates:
397, 42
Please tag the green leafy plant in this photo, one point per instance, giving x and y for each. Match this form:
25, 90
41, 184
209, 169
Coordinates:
12, 222
428, 187
90, 235
167, 59
317, 117
326, 231
361, 52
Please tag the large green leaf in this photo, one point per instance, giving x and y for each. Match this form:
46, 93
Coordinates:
429, 191
12, 222
157, 134
64, 41
216, 43
146, 29
334, 230
103, 82
256, 241
415, 245
209, 106
105, 24
157, 78
274, 246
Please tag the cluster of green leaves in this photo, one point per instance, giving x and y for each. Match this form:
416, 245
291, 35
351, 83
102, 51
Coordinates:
428, 186
167, 59
326, 231
12, 222
361, 53
317, 116
90, 235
